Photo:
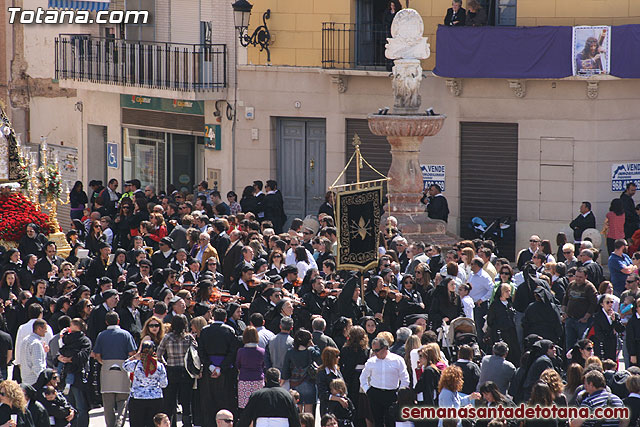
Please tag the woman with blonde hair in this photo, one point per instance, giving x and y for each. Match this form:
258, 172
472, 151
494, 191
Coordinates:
449, 387
14, 405
465, 266
553, 379
159, 227
427, 386
411, 356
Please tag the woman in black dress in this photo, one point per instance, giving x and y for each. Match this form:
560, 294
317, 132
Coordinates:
353, 356
427, 386
500, 320
446, 304
77, 200
606, 326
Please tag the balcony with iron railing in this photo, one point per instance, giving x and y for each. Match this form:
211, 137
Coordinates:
354, 46
174, 67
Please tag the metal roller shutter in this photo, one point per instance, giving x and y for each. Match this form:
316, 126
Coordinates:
373, 148
489, 176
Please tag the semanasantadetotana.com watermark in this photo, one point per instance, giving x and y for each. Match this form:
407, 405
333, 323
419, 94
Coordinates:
18, 15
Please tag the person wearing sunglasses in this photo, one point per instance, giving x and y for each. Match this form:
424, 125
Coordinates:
606, 327
525, 255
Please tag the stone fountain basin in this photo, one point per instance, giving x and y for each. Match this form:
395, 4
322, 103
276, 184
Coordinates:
405, 125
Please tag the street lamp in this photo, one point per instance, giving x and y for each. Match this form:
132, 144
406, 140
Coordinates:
261, 36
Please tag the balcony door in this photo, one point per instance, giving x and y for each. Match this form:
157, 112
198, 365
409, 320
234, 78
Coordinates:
370, 33
301, 155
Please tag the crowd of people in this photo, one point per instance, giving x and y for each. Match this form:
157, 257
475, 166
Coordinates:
184, 307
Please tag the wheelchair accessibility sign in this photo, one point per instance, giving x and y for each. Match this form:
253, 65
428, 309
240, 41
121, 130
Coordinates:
112, 155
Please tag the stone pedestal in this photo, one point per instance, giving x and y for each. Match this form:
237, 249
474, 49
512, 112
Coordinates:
405, 135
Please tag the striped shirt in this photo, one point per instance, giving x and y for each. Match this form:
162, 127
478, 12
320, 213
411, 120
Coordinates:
599, 399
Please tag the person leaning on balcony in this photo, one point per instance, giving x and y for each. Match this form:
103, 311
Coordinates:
456, 15
476, 15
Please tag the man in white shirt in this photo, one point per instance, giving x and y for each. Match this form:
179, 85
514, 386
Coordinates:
481, 290
34, 312
34, 352
380, 379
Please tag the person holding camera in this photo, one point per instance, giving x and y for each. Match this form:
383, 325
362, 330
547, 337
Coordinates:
149, 378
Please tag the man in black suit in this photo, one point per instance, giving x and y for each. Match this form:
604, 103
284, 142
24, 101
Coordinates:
96, 322
179, 231
585, 220
437, 207
274, 206
142, 279
259, 195
435, 258
46, 263
232, 257
217, 351
631, 218
220, 240
27, 273
455, 14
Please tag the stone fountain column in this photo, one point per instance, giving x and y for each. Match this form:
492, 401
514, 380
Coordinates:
405, 129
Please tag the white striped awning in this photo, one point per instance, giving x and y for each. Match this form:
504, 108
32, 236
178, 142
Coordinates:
94, 5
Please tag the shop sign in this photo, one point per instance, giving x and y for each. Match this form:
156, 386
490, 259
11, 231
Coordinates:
433, 174
624, 173
162, 104
212, 137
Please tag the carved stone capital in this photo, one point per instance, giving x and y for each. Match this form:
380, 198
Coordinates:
519, 88
340, 82
454, 86
592, 89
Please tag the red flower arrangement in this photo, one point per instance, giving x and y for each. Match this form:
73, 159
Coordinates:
16, 211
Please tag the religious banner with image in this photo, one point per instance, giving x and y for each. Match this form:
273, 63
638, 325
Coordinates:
591, 50
358, 224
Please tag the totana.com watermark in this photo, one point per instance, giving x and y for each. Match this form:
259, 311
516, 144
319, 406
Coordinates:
18, 15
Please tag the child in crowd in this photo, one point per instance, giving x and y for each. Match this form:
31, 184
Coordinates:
339, 403
161, 420
626, 309
71, 344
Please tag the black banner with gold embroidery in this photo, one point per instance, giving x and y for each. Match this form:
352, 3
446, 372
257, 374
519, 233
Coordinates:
358, 224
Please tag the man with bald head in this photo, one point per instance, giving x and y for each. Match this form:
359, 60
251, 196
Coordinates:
526, 255
224, 418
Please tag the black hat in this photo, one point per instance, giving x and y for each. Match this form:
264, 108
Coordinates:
274, 279
104, 281
231, 308
108, 294
412, 318
259, 263
128, 182
145, 262
246, 268
270, 291
167, 241
103, 245
201, 308
174, 300
288, 270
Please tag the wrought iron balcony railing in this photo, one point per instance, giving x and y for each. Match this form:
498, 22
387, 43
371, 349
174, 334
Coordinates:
156, 65
354, 46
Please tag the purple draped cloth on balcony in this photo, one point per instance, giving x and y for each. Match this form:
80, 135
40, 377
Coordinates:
525, 52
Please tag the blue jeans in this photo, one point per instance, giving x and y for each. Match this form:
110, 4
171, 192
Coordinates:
78, 400
574, 330
68, 377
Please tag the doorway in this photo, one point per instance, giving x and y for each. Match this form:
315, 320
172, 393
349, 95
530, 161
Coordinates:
489, 178
97, 146
301, 147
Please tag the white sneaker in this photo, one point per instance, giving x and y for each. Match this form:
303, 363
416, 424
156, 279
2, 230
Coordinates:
67, 389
